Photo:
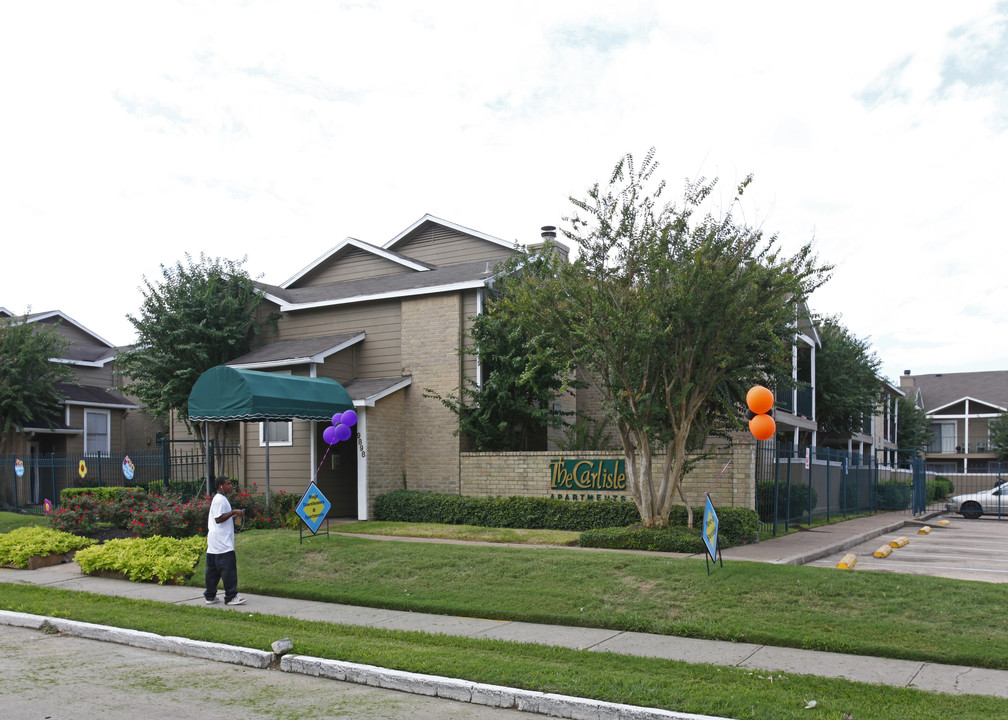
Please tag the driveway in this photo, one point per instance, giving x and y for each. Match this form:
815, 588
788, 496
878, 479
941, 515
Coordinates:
963, 549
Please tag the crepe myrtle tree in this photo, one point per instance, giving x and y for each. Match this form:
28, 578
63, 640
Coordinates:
671, 314
201, 314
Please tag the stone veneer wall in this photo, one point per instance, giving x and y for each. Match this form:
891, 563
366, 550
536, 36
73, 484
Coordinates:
528, 474
431, 336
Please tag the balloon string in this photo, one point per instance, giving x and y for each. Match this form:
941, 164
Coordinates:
711, 486
328, 448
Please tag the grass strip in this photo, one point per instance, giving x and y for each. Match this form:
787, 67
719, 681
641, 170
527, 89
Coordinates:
878, 614
475, 533
701, 689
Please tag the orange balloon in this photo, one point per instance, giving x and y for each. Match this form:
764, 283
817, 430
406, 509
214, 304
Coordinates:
759, 399
762, 427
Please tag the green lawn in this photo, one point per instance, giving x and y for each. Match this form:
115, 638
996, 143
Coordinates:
700, 689
881, 614
9, 521
887, 615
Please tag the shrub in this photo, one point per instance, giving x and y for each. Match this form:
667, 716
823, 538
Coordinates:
671, 539
155, 558
939, 488
20, 545
532, 513
257, 515
87, 510
737, 526
894, 495
794, 502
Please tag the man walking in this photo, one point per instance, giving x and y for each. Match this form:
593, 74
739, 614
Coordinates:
220, 559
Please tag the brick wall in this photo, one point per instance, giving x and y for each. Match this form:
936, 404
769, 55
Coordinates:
384, 452
528, 474
431, 336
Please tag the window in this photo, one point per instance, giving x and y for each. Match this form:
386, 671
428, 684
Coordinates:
96, 432
943, 437
280, 433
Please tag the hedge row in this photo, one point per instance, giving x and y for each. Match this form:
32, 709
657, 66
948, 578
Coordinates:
671, 539
737, 526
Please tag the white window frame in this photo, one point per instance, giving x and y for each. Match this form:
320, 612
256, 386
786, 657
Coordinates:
277, 443
106, 450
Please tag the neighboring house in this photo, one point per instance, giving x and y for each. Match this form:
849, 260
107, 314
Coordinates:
95, 419
960, 406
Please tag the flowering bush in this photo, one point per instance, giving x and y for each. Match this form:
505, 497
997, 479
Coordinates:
146, 514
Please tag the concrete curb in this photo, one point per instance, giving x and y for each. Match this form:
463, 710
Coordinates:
562, 706
248, 657
497, 696
855, 540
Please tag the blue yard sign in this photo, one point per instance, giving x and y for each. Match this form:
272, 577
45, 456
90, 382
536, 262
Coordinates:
313, 508
710, 533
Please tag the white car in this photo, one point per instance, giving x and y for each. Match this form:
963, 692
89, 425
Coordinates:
973, 505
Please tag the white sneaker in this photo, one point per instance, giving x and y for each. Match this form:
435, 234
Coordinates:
213, 601
236, 600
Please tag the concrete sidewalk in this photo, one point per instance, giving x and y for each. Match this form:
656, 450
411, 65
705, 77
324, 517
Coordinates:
793, 549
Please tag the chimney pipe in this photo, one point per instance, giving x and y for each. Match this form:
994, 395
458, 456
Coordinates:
548, 232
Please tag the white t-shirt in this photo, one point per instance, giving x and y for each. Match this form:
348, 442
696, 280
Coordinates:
220, 536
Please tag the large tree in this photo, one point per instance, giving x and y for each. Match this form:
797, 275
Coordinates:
28, 378
672, 315
200, 315
913, 427
512, 407
848, 387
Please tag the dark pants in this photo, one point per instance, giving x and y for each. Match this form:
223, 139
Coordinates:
221, 567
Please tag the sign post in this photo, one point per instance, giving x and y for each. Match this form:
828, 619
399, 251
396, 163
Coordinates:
710, 535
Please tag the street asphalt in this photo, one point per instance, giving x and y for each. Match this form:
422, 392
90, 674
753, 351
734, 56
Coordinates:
796, 549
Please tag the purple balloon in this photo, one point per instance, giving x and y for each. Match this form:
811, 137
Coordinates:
329, 435
349, 418
343, 432
336, 419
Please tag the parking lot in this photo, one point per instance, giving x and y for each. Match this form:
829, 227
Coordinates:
963, 549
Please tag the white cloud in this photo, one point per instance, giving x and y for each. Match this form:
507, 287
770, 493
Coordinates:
137, 132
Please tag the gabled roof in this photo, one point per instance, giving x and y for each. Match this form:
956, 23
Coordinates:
429, 219
93, 396
295, 352
442, 279
343, 247
60, 315
370, 390
942, 390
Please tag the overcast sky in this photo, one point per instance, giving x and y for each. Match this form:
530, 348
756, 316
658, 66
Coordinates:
132, 133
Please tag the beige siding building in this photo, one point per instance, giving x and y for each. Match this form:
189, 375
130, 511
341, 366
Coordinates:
387, 322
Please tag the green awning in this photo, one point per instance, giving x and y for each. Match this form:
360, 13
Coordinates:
225, 393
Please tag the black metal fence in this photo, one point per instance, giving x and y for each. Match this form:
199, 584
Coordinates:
804, 485
27, 482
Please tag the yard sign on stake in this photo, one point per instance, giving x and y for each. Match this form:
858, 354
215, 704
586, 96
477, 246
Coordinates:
710, 533
312, 509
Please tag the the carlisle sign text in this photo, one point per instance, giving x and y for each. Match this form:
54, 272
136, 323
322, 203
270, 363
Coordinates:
591, 475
